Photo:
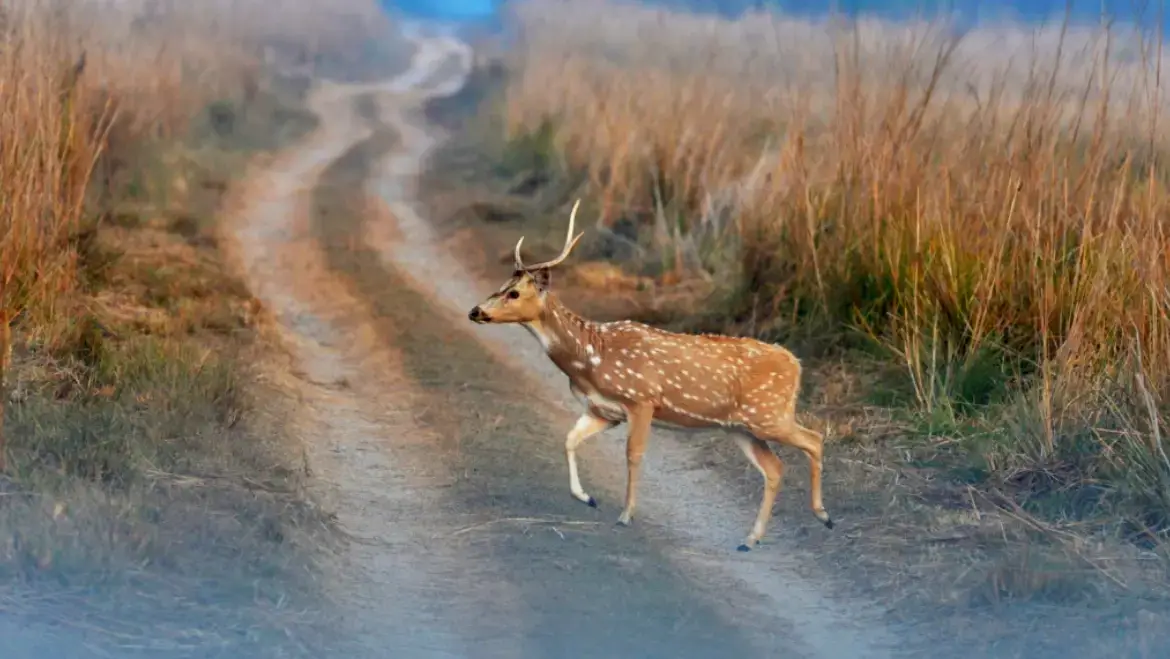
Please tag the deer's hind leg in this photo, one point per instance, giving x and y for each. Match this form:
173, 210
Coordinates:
772, 469
811, 443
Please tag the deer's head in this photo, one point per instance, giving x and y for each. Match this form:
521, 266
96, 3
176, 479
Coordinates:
521, 299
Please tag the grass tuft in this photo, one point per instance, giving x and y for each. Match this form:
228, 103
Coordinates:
148, 498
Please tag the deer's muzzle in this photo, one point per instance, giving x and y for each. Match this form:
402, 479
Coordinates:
477, 315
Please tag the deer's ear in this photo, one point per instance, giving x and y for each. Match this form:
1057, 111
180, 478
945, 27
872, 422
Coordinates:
542, 278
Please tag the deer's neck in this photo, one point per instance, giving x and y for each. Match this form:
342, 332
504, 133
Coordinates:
565, 336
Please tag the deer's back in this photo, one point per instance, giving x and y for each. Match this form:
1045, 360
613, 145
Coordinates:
705, 378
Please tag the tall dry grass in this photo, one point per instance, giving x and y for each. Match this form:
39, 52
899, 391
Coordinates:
85, 86
992, 210
146, 462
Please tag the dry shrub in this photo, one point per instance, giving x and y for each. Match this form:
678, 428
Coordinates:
91, 93
98, 82
49, 144
87, 87
991, 209
140, 457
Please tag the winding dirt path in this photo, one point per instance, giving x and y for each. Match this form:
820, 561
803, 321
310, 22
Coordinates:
439, 443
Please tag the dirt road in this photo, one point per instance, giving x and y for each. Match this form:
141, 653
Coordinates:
439, 444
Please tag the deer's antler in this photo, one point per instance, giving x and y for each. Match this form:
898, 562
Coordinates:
570, 243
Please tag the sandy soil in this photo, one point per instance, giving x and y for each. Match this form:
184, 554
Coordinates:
439, 444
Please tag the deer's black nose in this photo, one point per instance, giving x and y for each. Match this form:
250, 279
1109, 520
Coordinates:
476, 315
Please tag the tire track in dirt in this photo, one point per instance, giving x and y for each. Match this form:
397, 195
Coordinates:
704, 515
574, 577
424, 573
400, 593
438, 450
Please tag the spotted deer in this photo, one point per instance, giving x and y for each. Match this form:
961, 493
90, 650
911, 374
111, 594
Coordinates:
629, 372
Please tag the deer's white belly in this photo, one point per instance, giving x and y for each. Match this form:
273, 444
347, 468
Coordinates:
610, 408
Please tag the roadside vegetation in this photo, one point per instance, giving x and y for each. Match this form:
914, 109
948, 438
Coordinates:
963, 237
147, 491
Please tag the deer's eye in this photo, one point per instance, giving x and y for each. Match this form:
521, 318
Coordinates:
513, 294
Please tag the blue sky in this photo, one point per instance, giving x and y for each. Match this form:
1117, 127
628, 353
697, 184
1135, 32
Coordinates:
969, 11
451, 10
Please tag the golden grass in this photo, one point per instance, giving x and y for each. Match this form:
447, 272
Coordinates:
143, 456
991, 212
87, 87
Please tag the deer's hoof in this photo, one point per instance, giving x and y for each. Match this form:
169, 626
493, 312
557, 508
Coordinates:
585, 499
743, 547
824, 517
623, 520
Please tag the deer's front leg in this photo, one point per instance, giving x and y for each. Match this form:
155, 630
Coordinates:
587, 426
639, 419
